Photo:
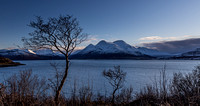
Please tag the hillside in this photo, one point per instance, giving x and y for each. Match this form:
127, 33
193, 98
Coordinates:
5, 62
26, 54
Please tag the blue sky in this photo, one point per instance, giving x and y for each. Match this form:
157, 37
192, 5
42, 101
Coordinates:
134, 21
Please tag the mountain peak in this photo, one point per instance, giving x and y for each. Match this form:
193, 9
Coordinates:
90, 45
102, 42
119, 41
123, 44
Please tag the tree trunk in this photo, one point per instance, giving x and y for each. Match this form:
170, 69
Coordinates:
113, 96
62, 82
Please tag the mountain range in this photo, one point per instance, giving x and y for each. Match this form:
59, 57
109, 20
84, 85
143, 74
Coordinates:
116, 50
102, 50
191, 55
27, 54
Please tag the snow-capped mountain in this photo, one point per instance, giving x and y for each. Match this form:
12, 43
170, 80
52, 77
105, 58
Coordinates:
15, 52
104, 47
192, 53
47, 52
127, 48
24, 54
116, 49
102, 50
153, 52
42, 52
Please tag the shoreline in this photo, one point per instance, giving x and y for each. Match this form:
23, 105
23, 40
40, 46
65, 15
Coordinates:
11, 64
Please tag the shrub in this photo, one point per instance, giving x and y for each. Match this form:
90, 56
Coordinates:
25, 89
185, 89
116, 79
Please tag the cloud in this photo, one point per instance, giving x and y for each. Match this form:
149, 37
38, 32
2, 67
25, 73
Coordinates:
91, 39
151, 38
176, 46
158, 38
79, 47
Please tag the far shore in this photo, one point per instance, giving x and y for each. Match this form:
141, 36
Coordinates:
11, 64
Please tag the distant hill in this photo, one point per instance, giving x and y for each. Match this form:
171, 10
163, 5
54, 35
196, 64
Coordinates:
5, 62
26, 54
191, 55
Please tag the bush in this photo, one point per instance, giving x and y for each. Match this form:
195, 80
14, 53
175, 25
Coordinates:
185, 89
25, 89
116, 78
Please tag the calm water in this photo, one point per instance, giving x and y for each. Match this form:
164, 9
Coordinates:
89, 72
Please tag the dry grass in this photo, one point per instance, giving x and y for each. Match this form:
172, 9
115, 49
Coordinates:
181, 90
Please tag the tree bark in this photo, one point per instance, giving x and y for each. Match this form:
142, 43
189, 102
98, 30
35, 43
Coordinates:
62, 82
113, 96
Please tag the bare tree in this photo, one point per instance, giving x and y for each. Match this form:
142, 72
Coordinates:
116, 79
61, 34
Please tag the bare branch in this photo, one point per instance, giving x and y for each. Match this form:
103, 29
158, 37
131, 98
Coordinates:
61, 34
116, 79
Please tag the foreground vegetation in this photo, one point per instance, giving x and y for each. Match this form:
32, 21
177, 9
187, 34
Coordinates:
26, 89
